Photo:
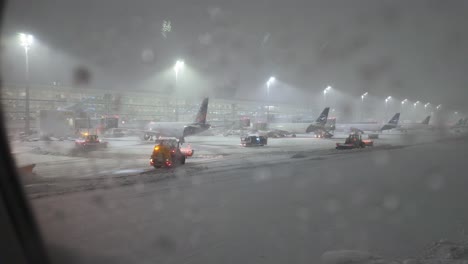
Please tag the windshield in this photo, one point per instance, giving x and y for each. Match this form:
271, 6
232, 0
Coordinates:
317, 131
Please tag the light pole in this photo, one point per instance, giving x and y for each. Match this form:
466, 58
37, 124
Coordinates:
386, 103
364, 96
26, 40
403, 104
425, 107
325, 91
179, 66
269, 83
362, 102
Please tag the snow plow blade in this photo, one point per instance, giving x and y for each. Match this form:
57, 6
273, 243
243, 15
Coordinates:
187, 152
344, 146
28, 169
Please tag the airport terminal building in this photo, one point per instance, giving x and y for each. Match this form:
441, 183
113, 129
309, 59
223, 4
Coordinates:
139, 106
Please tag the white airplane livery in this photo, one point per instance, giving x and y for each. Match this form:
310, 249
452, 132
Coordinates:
178, 129
319, 126
368, 127
423, 125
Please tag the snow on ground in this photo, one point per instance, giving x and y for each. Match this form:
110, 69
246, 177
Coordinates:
57, 165
391, 200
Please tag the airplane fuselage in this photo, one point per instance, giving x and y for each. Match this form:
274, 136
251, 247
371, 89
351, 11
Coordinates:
360, 126
296, 128
174, 129
413, 126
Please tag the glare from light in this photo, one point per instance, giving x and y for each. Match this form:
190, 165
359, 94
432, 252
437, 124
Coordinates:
438, 107
270, 81
388, 99
25, 40
416, 103
326, 90
426, 105
364, 95
404, 101
179, 66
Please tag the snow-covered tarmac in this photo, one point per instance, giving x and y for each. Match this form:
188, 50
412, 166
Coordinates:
59, 169
286, 203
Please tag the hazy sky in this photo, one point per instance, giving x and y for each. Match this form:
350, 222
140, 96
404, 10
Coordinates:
408, 49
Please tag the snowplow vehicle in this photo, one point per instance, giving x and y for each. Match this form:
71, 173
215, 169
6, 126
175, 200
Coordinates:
254, 140
89, 142
167, 153
355, 141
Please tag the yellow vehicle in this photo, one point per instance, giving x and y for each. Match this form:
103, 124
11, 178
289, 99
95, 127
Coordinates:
166, 152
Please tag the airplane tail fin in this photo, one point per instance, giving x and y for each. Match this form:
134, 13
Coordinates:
322, 119
201, 116
395, 119
392, 123
426, 120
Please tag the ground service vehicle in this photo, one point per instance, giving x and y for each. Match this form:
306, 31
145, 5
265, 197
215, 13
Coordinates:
355, 141
167, 152
249, 141
90, 142
323, 134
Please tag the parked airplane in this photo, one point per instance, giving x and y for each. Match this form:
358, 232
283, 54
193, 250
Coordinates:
415, 126
319, 127
180, 130
368, 127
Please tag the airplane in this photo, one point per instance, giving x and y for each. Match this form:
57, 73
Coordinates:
415, 126
319, 127
460, 126
461, 123
179, 130
363, 127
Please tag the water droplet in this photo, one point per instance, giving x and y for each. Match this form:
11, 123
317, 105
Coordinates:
147, 55
261, 175
332, 206
391, 202
196, 180
435, 182
381, 158
303, 213
158, 205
